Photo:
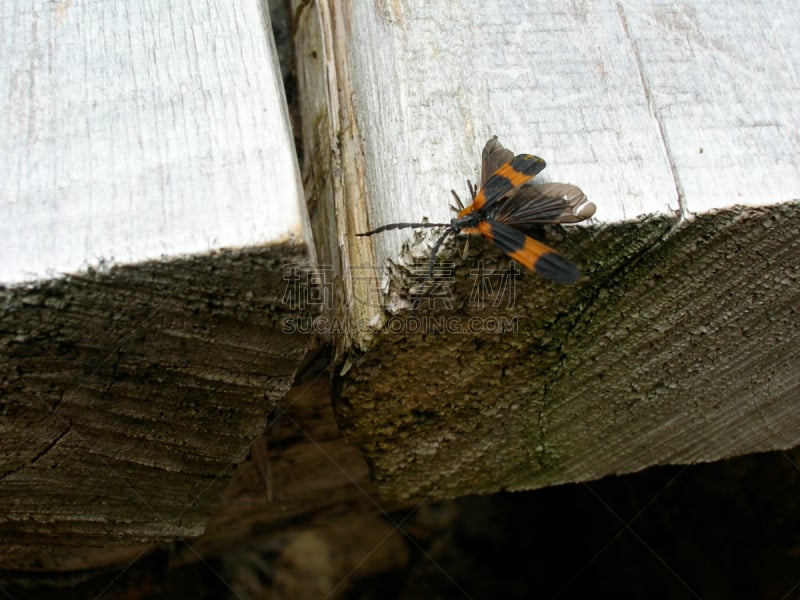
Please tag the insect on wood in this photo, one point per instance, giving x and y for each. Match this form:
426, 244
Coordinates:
507, 207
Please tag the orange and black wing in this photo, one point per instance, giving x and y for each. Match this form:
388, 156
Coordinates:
493, 157
509, 177
546, 203
530, 253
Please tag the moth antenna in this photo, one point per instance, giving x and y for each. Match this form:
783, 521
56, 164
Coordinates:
402, 226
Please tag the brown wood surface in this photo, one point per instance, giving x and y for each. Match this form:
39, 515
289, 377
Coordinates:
129, 397
679, 345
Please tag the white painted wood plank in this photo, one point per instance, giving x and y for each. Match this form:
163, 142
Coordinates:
724, 81
133, 131
619, 98
548, 78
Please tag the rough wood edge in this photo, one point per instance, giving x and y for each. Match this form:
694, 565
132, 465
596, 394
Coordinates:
129, 395
569, 398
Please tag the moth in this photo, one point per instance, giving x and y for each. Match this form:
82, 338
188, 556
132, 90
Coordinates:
507, 207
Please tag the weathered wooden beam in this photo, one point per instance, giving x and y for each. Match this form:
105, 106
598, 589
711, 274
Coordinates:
151, 206
678, 345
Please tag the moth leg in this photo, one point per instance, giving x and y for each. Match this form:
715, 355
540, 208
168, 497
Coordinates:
458, 202
473, 189
434, 252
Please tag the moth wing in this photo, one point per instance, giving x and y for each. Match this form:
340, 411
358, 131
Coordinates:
505, 181
529, 252
494, 156
545, 203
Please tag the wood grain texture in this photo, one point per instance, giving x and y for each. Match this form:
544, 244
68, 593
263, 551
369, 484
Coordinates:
129, 397
677, 345
680, 351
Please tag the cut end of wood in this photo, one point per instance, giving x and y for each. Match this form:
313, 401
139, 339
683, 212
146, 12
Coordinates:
129, 396
444, 406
